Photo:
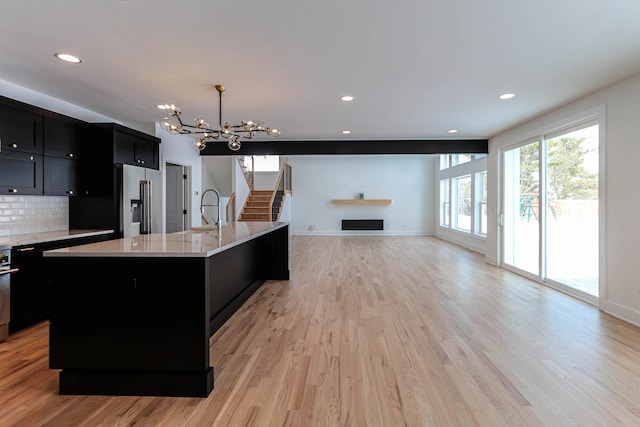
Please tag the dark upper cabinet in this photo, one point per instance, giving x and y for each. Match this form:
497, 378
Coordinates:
63, 137
20, 173
60, 176
63, 144
20, 130
136, 149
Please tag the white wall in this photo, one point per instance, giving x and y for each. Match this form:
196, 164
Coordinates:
47, 102
265, 180
240, 187
217, 172
406, 179
620, 150
178, 149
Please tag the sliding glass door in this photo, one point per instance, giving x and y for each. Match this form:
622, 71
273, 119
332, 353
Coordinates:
521, 212
550, 214
572, 209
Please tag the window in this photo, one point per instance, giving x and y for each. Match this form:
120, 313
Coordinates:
263, 163
458, 159
444, 162
463, 193
462, 215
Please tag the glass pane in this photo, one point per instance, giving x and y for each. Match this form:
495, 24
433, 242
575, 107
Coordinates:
572, 209
266, 163
444, 203
521, 229
463, 203
444, 161
458, 159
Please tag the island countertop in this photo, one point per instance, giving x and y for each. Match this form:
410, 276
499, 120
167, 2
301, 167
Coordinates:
49, 236
196, 243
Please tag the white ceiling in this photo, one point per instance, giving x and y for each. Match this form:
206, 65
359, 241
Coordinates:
417, 68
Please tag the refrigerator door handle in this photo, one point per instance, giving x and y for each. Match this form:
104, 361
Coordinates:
145, 196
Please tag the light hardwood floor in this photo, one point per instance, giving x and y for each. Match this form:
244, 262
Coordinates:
376, 331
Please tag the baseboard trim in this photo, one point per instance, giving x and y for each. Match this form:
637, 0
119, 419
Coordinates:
621, 312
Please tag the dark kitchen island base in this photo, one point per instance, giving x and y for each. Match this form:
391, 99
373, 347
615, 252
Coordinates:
140, 325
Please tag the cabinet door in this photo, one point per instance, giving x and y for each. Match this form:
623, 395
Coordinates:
20, 130
136, 150
30, 286
62, 138
146, 154
29, 298
125, 148
20, 173
60, 176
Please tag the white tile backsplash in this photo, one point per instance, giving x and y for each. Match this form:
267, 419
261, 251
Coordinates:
33, 214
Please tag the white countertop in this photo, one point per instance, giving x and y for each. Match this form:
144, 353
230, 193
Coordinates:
49, 236
198, 243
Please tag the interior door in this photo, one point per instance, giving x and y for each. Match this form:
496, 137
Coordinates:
176, 201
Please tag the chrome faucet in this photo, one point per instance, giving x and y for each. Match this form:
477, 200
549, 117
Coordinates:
218, 223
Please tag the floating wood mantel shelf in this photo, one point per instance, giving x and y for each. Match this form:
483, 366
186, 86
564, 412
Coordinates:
361, 201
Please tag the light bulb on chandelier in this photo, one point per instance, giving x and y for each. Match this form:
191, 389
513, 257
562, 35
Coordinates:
201, 130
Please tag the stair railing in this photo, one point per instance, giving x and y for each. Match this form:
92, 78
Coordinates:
231, 208
248, 173
283, 186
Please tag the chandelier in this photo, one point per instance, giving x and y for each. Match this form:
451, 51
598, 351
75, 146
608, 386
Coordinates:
204, 133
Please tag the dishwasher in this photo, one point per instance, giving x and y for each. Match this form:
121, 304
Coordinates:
5, 287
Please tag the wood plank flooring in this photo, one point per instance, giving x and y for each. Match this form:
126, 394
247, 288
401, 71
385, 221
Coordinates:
375, 331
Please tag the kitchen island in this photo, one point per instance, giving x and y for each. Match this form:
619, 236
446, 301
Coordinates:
134, 316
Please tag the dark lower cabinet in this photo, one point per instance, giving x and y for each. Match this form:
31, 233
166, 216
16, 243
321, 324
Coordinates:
20, 173
30, 286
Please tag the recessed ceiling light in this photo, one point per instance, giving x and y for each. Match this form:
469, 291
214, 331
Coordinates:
507, 95
68, 58
346, 98
452, 131
346, 132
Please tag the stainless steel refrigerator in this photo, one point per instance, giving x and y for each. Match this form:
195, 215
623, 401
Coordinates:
139, 200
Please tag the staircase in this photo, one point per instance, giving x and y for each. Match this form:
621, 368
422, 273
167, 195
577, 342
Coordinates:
265, 205
256, 208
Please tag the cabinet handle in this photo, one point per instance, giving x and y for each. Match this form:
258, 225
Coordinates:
10, 271
13, 190
14, 145
29, 249
70, 192
71, 155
